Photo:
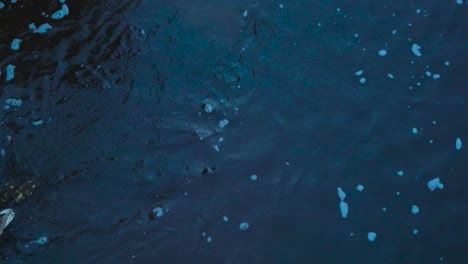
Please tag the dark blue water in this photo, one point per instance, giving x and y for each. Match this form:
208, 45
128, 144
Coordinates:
122, 88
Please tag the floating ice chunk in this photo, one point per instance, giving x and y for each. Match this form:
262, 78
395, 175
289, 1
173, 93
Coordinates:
415, 231
414, 130
436, 76
400, 173
15, 44
428, 73
416, 49
244, 226
359, 73
225, 219
10, 72
344, 209
360, 188
341, 193
394, 32
382, 53
458, 144
390, 76
209, 108
158, 211
414, 209
223, 123
32, 26
13, 1
362, 80
343, 205
447, 63
216, 148
253, 177
371, 236
42, 240
460, 2
38, 123
58, 15
435, 184
245, 14
61, 13
41, 29
2, 5
209, 239
13, 102
65, 9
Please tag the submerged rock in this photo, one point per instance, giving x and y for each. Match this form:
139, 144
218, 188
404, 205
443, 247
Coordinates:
16, 192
